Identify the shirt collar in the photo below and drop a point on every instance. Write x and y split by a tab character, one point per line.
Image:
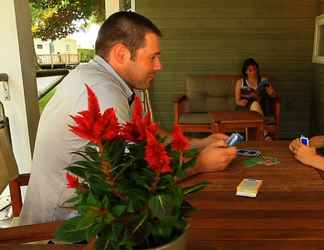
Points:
128	91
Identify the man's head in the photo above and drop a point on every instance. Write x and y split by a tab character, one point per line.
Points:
131	44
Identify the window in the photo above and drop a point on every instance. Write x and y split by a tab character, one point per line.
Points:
67	47
318	50
39	46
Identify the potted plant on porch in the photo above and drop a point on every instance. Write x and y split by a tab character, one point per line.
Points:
126	193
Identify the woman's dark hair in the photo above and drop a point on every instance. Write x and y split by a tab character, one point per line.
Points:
250	62
124	27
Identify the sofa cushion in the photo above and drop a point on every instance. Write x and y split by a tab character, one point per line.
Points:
207	93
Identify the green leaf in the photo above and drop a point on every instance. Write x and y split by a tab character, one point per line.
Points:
93	153
161	233
194	188
94	230
93	201
118	210
189	164
109	218
161	205
191	153
69	231
79	171
140	223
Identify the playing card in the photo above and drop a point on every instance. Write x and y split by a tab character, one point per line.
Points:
252	162
270	161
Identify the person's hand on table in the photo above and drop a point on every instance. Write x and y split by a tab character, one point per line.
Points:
218	138
305	154
317	141
215	157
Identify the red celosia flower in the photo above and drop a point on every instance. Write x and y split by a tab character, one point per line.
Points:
180	143
73	181
156	155
93	126
136	129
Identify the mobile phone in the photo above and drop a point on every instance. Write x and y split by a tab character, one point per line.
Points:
265	82
304	140
234	139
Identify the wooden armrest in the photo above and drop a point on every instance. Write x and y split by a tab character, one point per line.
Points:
178	107
15	193
22	179
29	233
180	99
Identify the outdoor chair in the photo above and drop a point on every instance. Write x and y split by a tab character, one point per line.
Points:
11	237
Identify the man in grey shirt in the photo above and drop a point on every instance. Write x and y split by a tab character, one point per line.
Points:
127	58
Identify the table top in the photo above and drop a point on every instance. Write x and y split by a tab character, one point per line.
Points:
236	116
288	210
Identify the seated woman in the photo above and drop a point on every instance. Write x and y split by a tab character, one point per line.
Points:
253	92
307	154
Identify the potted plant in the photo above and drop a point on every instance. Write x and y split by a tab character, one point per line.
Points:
126	190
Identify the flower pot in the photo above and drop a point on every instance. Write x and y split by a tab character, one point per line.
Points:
178	244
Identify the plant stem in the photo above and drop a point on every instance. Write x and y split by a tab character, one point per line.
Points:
156	182
107	170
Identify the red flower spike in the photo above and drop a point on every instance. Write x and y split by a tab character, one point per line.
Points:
73	181
156	155
93	126
137	110
135	131
93	104
180	143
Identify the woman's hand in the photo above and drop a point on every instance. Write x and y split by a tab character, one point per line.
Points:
317	141
305	154
243	102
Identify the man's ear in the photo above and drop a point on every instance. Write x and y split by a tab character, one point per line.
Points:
120	53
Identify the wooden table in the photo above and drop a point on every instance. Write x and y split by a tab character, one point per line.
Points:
238	121
288	212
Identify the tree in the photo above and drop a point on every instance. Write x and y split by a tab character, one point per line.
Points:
55	19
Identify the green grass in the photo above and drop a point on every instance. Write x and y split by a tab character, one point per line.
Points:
45	100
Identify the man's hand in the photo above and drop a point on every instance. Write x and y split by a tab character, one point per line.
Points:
305	154
213	138
215	157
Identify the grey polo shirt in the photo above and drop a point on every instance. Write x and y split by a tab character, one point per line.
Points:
47	189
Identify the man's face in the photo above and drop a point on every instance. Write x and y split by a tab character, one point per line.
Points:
140	72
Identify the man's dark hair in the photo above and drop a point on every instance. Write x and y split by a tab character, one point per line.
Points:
250	62
124	27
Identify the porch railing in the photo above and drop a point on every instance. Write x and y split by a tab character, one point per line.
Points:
58	59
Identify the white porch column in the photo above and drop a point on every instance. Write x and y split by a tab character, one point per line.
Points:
113	6
16	53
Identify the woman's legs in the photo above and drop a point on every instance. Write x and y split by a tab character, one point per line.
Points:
255	106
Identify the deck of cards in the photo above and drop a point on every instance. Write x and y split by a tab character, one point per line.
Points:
248	188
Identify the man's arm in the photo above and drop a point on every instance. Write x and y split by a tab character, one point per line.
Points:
197	142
